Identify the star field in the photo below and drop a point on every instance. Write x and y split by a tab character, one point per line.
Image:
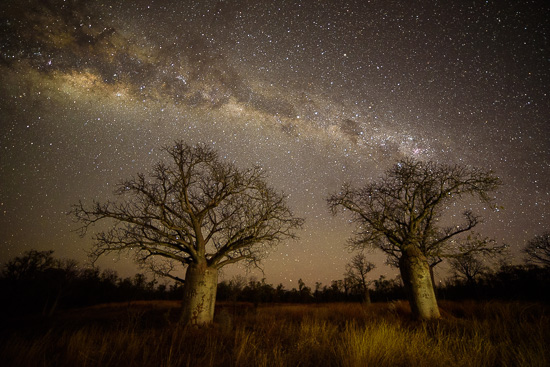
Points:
316	92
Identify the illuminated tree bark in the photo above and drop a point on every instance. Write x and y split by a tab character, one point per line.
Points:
199	294
417	279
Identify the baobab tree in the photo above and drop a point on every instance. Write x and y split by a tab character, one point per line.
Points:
357	271
400	213
199	213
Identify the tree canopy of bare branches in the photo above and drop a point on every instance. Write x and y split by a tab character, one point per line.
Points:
197	208
403	208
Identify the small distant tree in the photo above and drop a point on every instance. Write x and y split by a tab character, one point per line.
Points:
31	265
472	257
469	267
357	270
399	214
538	250
198	212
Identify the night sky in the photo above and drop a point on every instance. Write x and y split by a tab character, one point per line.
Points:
316	92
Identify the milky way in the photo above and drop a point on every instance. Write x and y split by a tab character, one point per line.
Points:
316	92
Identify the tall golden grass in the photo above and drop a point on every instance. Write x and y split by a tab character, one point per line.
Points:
145	334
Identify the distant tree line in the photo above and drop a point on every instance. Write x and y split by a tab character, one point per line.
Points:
509	282
254	291
38	283
474	279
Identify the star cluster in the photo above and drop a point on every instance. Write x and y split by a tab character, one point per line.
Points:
316	92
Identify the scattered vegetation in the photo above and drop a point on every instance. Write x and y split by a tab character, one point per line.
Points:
38	283
332	334
500	318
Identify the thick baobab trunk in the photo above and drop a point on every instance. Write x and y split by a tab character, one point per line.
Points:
417	279
199	295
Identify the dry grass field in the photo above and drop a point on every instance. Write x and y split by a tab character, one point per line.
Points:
347	334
